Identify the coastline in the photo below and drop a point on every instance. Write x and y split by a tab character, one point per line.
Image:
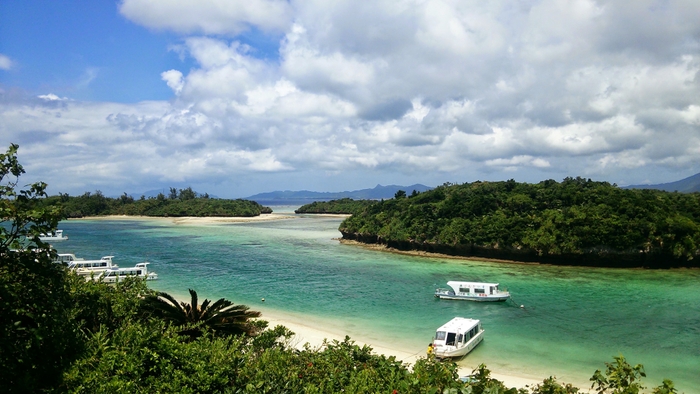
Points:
420	253
314	332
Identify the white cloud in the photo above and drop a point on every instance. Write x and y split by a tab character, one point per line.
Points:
209	16
5	62
445	89
174	80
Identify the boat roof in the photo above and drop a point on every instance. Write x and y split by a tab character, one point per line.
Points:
458	324
453	283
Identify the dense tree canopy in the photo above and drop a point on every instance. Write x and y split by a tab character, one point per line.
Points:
184	202
341	206
576	221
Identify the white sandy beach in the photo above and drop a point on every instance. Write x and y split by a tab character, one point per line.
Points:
210	220
190	220
309	331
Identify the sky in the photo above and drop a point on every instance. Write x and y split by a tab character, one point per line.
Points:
234	98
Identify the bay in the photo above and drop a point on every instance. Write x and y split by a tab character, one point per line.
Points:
573	319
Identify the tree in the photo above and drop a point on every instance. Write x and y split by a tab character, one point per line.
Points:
400	194
222	316
620	377
187	194
38	337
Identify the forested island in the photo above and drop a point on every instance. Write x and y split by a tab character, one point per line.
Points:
178	203
575	222
346	206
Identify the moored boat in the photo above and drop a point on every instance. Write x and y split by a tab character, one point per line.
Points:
118	274
472	291
53	237
457	337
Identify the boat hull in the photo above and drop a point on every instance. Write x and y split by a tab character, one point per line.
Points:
450	295
481	298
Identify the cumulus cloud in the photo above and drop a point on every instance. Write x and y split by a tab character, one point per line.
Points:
441	89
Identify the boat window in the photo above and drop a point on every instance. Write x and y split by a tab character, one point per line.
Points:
440	335
479	291
450	338
460	338
464	290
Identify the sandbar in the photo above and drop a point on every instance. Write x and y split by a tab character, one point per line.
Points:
197	221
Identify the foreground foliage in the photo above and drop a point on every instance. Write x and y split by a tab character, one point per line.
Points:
37	337
576	221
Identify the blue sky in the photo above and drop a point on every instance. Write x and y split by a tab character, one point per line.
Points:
239	97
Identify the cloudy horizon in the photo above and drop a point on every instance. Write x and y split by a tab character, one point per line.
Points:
243	97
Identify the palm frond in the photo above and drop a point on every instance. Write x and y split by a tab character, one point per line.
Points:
222	315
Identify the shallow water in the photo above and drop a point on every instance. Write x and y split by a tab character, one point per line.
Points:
573	321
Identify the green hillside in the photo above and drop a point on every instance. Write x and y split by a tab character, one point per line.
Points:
341	206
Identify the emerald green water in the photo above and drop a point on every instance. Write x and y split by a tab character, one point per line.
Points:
573	321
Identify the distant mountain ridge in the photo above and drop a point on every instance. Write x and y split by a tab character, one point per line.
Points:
377	193
690	184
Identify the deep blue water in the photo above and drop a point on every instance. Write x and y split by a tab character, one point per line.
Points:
573	321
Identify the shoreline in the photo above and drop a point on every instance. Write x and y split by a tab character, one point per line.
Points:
420	253
315	331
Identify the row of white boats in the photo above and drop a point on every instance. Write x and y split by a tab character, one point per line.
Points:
461	335
104	269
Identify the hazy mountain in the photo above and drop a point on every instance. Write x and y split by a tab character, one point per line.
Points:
377	193
687	185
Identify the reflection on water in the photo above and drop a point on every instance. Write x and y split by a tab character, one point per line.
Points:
574	319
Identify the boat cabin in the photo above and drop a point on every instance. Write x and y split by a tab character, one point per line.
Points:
473	288
91	265
457	337
65	258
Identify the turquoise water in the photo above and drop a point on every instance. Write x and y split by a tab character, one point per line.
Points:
573	321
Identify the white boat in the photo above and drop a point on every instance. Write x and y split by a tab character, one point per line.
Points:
118	274
55	236
457	337
472	291
88	267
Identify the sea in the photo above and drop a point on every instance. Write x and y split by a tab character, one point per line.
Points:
562	321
